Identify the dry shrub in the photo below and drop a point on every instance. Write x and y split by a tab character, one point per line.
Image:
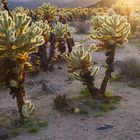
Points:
130	68
82	27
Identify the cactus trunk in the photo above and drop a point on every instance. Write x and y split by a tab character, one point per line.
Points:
52	47
16	90
70	43
43	57
20	100
89	82
110	54
61	46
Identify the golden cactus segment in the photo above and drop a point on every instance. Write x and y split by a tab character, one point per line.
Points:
21	10
79	59
16	35
44	26
60	30
17	40
114	30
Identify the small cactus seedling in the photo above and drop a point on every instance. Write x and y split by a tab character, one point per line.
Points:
80	65
17	41
113	32
27	109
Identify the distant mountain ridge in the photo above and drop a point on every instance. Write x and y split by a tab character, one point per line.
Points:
60	3
109	3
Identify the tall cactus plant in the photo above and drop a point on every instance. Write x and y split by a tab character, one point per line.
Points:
61	32
113	32
47	12
42	49
17	41
80	65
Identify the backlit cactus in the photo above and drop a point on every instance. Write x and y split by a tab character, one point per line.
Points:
61	34
27	109
21	10
60	30
80	65
114	30
44	26
47	12
111	34
17	41
79	59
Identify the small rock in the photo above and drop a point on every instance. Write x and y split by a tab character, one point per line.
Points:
48	88
105	126
4	134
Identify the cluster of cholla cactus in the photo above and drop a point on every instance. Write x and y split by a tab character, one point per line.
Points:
80	14
81	66
113	32
17	41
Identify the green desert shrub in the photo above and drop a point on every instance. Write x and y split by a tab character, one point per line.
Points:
82	27
130	68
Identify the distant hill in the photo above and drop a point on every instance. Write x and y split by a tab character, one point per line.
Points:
104	3
109	3
60	3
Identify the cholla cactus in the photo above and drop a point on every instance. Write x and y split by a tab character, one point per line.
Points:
27	109
113	32
61	30
61	33
80	64
79	59
97	21
17	41
21	10
47	12
44	26
42	49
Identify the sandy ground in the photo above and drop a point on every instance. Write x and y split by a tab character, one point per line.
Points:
63	126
